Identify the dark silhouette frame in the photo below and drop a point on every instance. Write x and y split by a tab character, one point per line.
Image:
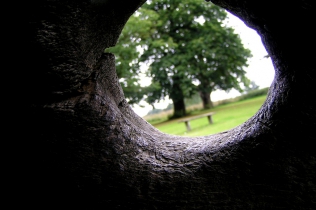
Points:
85	146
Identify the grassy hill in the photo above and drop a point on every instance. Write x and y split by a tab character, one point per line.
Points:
228	114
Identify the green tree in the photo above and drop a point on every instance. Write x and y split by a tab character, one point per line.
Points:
187	56
218	60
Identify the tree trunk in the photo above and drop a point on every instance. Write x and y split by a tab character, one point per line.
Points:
178	108
178	101
206	99
85	147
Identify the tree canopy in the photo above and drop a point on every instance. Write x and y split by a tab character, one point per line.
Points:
188	49
192	50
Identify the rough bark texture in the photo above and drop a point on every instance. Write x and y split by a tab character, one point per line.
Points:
85	146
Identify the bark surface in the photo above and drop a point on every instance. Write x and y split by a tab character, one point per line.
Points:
86	147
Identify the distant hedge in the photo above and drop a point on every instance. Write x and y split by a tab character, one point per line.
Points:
248	95
254	93
196	100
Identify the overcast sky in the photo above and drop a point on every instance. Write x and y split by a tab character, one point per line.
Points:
260	69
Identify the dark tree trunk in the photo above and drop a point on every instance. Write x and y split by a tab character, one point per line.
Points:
178	108
206	99
85	147
177	98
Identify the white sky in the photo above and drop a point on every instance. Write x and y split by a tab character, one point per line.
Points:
260	69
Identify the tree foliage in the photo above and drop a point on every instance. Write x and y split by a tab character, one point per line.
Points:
188	50
191	51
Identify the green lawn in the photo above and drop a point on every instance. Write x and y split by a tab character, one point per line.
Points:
226	117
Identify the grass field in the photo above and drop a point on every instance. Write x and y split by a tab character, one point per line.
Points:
226	117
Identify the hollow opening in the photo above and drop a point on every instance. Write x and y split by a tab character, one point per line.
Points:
92	149
229	103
